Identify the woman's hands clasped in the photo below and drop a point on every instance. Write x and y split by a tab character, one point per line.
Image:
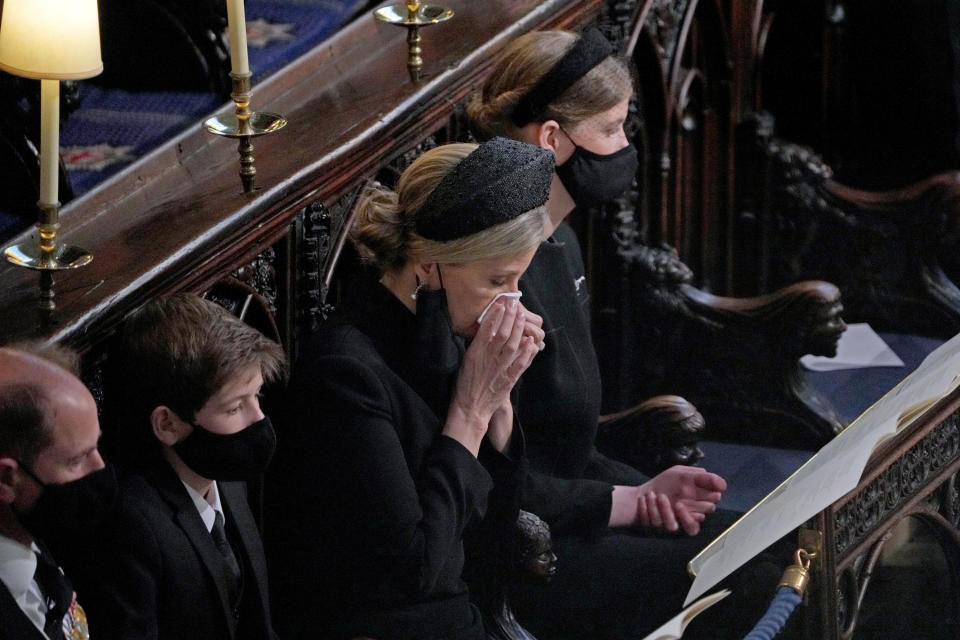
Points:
503	348
679	498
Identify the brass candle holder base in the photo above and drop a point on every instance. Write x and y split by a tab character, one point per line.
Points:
244	125
47	255
413	15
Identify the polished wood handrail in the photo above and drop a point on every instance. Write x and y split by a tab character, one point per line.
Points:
178	219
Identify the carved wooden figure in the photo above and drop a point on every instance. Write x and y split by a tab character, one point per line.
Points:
528	557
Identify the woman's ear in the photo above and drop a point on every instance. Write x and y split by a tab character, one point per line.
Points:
548	136
426	274
167	426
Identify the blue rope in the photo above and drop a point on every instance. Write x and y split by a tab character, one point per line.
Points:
779	611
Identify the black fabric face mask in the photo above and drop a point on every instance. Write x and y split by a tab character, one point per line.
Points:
71	508
439	347
593	179
236	456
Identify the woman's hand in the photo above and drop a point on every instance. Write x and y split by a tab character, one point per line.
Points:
496	357
501	426
533	326
680	497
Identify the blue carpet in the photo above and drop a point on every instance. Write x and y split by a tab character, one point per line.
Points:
112	128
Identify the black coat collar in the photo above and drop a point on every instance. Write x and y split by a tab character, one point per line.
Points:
393	328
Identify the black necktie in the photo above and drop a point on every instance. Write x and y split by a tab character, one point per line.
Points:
57	591
223	545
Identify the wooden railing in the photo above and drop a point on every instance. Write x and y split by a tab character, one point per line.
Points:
179	220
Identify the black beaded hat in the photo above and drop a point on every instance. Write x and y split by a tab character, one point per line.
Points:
588	51
498	181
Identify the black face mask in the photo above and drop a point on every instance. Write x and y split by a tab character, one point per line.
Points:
593	179
71	508
440	348
235	456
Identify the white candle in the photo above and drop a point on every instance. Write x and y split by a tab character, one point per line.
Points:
49	140
237	28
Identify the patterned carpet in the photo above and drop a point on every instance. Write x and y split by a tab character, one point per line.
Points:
113	128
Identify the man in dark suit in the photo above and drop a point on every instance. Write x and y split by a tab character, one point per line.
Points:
182	557
48	457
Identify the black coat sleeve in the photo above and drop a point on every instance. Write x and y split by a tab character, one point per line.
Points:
413	523
606	469
569	506
120	580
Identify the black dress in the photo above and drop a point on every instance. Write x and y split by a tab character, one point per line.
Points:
611	583
368	503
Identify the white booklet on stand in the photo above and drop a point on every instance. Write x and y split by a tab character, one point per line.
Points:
830	474
673	628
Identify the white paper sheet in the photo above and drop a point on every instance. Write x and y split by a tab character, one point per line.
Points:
830	474
859	346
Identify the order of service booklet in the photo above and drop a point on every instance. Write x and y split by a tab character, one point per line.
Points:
830	473
673	628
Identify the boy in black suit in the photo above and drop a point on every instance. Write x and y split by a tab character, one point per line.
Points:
182	557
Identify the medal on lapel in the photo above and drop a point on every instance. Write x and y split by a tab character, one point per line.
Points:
75	622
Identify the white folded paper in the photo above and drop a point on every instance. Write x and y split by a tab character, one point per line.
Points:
858	347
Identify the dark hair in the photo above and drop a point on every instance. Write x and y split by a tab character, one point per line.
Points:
177	351
24	427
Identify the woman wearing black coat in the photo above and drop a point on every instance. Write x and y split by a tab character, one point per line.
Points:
622	540
399	436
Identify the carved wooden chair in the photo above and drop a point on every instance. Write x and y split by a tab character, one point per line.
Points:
658	327
736	359
882	248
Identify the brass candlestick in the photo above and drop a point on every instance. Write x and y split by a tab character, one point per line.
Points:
47	255
244	125
413	15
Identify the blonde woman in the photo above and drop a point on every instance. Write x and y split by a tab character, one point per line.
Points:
399	436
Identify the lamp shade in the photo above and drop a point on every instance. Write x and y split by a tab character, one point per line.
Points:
54	39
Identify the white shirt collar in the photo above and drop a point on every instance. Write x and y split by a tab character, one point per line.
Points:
205	508
18	564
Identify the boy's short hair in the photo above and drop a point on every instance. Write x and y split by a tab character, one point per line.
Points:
178	351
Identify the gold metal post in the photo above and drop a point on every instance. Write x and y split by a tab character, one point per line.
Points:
414	53
47	255
413	15
244	125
